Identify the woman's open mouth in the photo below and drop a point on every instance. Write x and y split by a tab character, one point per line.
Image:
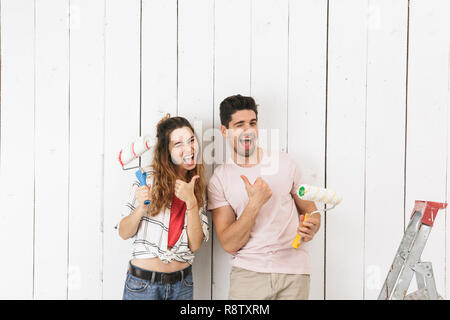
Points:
189	160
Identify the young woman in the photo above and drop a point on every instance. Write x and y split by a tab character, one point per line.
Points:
172	227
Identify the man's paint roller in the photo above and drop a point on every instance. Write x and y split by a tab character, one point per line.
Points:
311	193
134	151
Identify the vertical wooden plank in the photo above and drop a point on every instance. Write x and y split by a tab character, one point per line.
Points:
232	63
385	139
122	79
307	110
347	60
17	148
427	120
52	149
195	99
159	65
269	68
86	148
447	219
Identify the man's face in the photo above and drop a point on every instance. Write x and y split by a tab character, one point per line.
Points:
242	132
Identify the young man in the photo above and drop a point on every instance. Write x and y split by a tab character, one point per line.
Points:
256	213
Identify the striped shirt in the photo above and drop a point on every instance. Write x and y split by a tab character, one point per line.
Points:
150	240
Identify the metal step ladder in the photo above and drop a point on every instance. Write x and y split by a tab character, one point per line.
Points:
407	259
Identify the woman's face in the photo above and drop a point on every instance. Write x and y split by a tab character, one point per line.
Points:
183	148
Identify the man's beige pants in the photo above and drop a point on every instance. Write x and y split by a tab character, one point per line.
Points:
250	285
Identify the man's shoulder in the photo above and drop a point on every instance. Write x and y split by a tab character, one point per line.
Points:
287	160
219	171
284	156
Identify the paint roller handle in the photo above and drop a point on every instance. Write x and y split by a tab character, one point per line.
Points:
298	238
142	177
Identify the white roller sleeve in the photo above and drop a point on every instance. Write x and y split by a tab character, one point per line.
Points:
327	196
134	150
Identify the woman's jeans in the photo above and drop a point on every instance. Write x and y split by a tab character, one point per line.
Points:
140	289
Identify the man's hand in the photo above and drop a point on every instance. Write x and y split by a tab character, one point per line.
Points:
308	229
259	192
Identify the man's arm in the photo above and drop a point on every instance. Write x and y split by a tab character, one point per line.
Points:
234	233
304	206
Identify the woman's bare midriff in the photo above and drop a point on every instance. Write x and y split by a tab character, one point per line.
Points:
155	264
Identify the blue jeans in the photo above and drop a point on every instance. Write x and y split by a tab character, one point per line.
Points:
140	289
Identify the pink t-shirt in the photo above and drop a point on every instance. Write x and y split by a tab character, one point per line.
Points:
269	246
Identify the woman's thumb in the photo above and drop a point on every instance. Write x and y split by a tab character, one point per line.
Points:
194	178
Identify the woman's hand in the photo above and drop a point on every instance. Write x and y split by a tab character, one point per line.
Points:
185	191
142	194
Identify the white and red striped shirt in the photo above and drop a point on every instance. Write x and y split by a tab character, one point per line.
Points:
150	240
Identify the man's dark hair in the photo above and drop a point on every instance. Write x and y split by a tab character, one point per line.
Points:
233	104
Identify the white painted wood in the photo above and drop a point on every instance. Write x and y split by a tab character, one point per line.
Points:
159	65
72	98
232	43
52	149
385	139
86	148
447	211
426	166
195	99
269	66
307	110
347	62
17	149
122	74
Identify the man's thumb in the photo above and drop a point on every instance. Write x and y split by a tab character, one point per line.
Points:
194	178
245	179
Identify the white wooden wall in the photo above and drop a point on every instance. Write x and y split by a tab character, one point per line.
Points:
358	89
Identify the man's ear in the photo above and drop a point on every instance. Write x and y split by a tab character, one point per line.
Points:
223	130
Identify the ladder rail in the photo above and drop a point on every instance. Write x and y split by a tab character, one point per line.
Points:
407	261
400	257
405	277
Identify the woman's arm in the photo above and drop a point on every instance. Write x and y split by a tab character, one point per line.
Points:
185	192
194	226
129	225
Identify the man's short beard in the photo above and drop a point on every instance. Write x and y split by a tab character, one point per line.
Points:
245	153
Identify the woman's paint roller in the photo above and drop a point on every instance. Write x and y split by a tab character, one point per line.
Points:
311	193
134	151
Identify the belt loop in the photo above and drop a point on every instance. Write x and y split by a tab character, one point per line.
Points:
182	275
153	278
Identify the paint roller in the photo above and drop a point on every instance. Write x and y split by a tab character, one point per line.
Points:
134	151
321	195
